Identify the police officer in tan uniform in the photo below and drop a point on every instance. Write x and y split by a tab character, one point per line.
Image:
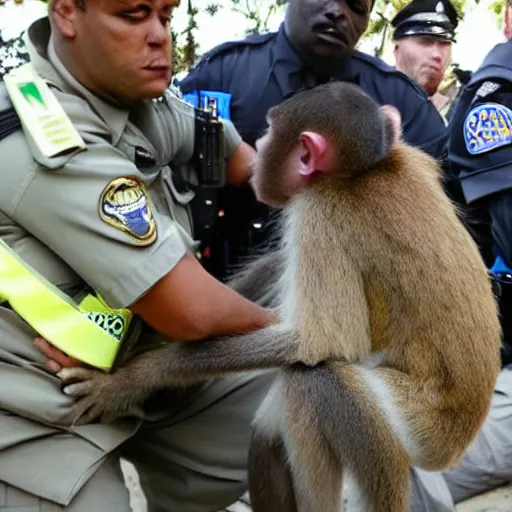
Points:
112	217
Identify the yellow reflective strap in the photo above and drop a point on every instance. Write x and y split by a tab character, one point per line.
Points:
52	314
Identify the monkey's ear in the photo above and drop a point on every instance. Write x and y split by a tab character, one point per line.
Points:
393	122
316	154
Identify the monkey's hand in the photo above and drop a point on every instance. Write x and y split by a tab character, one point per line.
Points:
98	395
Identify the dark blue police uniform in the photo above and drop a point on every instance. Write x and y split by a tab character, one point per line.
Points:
260	72
480	150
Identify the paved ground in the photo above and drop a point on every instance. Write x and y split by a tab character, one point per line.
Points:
499	500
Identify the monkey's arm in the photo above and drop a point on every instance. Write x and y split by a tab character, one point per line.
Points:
107	396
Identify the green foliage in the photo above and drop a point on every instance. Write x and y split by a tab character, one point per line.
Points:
178	61
498	7
190	48
460	7
256	12
12	54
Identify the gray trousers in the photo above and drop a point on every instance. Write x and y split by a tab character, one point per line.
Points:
190	460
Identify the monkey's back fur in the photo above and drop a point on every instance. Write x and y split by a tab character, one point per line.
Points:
385	284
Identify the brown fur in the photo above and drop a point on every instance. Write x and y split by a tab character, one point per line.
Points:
394	255
382	265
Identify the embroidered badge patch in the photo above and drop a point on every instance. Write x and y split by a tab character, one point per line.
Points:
124	205
487	126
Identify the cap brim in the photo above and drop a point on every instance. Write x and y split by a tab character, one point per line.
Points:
429	30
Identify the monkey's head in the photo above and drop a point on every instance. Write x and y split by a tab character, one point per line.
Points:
333	128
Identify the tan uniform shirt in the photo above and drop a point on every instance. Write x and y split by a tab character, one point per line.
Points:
94	219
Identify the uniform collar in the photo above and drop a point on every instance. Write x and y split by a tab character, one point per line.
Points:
286	64
292	74
45	61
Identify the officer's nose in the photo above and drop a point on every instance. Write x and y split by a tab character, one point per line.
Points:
159	33
334	10
437	53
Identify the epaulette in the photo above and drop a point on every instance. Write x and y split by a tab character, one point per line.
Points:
9	120
386	69
255	40
45	123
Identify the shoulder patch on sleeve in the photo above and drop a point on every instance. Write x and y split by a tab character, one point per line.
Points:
487	126
124	205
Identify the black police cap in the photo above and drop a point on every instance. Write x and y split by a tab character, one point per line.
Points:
436	18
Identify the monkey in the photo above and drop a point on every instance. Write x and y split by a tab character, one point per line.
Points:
387	347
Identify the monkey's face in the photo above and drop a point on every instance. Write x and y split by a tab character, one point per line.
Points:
286	164
308	138
275	178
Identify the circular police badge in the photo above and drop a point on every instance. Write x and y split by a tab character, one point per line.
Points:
124	204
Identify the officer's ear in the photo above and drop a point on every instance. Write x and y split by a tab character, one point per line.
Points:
395	48
392	123
508	20
64	16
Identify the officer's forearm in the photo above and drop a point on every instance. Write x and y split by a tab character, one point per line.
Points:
189	304
239	165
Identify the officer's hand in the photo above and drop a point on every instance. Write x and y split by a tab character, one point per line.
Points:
239	165
273	316
56	359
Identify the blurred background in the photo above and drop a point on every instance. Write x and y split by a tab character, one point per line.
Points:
199	25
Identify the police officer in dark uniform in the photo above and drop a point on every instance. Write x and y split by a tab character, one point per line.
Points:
480	151
315	44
